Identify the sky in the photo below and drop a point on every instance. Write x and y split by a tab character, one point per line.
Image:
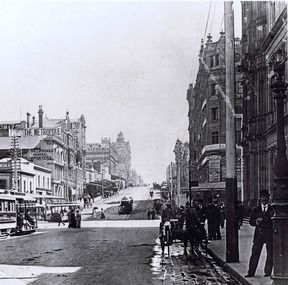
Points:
125	65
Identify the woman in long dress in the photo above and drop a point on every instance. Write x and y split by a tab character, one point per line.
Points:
78	219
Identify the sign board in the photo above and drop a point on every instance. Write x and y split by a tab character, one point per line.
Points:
5	165
40	154
214	170
43	132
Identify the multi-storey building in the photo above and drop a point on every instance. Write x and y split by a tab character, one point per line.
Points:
136	180
32	179
207	121
181	185
264	29
52	144
171	177
103	154
124	157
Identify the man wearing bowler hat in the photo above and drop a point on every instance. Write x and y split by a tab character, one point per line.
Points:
261	219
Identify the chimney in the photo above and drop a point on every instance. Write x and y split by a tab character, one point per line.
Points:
28	120
33	121
40	112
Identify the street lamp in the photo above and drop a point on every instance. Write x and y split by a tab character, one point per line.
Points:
280	189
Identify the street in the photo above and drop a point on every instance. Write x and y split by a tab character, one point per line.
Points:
106	251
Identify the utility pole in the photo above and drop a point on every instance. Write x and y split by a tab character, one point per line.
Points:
178	157
232	251
102	182
171	183
15	162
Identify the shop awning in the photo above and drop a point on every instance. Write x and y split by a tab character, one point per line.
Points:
24	197
37	196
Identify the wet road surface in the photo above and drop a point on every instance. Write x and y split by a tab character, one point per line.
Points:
177	268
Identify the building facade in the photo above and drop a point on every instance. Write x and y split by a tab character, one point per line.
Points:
32	178
264	28
52	144
124	157
207	122
103	154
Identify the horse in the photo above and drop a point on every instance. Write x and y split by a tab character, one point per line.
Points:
189	224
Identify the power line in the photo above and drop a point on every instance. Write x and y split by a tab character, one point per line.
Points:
207	19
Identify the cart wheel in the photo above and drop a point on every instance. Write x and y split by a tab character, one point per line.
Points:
167	234
162	242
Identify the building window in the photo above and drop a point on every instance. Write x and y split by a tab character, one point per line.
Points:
213	89
38	181
3	184
48	183
43	182
31	190
238	110
211	61
215	137
214	114
239	88
217	60
24	186
195	155
238	137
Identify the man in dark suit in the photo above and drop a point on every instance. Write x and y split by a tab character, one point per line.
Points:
214	219
261	219
202	214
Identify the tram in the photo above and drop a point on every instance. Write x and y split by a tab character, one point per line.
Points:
126	205
16	215
8	217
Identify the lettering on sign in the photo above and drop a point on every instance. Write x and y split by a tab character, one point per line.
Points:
43	154
5	164
214	170
43	132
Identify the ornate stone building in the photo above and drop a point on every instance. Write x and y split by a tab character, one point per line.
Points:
103	154
264	29
124	157
207	122
52	144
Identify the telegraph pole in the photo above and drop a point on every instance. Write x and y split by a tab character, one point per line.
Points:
15	162
171	181
232	251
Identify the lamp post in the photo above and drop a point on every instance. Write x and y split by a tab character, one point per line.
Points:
280	189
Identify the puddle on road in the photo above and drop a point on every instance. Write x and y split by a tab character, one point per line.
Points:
191	269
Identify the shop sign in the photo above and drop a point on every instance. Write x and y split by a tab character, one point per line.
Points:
43	154
6	165
43	132
214	170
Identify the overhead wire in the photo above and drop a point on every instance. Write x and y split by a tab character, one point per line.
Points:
194	69
196	46
207	19
195	64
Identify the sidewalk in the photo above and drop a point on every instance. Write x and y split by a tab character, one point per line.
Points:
217	248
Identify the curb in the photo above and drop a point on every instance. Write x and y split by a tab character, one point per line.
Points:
228	268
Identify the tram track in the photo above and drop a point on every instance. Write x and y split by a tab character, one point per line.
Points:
194	268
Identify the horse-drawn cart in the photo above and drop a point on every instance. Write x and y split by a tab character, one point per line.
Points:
182	231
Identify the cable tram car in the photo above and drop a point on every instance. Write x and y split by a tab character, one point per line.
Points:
25	209
126	205
16	216
7	214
